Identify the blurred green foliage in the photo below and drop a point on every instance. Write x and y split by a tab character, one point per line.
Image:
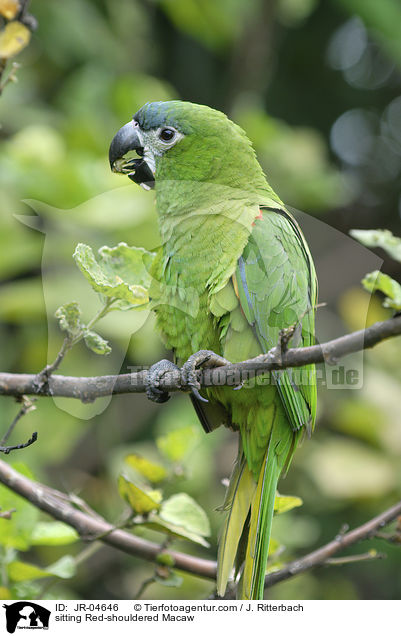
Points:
317	86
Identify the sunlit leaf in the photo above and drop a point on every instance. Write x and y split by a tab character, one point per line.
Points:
182	510
9	8
176	444
380	238
13	38
152	471
181	516
142	502
376	281
118	273
283	503
19	571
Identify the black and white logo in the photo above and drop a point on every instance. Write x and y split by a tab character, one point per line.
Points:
26	615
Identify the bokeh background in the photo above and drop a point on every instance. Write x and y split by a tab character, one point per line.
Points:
317	86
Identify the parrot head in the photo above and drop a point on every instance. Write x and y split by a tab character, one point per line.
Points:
178	140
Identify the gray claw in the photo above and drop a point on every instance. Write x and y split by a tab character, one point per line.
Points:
155	374
197	360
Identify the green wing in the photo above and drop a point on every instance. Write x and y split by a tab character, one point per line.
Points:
276	284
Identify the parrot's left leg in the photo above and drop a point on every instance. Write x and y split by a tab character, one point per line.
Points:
205	359
155	374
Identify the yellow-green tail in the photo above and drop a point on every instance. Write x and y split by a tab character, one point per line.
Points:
246	532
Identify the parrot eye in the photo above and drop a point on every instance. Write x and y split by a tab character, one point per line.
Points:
167	134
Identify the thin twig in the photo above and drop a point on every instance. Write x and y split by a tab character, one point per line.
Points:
372	555
8	449
27	407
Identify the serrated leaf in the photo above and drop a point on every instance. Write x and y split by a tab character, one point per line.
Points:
69	318
284	503
13	38
9	8
380	238
172	579
152	471
142	502
118	273
96	343
376	281
176	444
53	533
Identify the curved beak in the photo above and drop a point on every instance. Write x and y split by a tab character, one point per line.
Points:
124	141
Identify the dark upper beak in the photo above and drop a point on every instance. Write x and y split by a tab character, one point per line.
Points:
124	140
127	139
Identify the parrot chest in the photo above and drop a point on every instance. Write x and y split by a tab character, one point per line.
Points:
196	261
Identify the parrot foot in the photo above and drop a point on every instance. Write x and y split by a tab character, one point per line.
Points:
155	374
204	358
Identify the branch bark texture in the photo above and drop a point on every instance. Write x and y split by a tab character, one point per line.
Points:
93	527
89	388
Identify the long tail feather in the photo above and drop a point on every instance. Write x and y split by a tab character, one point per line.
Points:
250	514
237	501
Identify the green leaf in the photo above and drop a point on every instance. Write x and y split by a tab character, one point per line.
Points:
13	38
69	318
153	472
17	531
183	513
53	533
181	516
274	546
119	273
283	503
64	568
155	522
19	571
176	444
376	281
96	343
142	502
380	238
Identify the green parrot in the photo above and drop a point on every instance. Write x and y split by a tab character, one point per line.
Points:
232	272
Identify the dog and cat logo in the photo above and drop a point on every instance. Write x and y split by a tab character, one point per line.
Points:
26	615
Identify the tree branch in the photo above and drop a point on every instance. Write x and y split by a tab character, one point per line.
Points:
90	526
88	389
323	555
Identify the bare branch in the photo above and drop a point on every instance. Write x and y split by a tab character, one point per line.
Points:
88	389
323	555
58	506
